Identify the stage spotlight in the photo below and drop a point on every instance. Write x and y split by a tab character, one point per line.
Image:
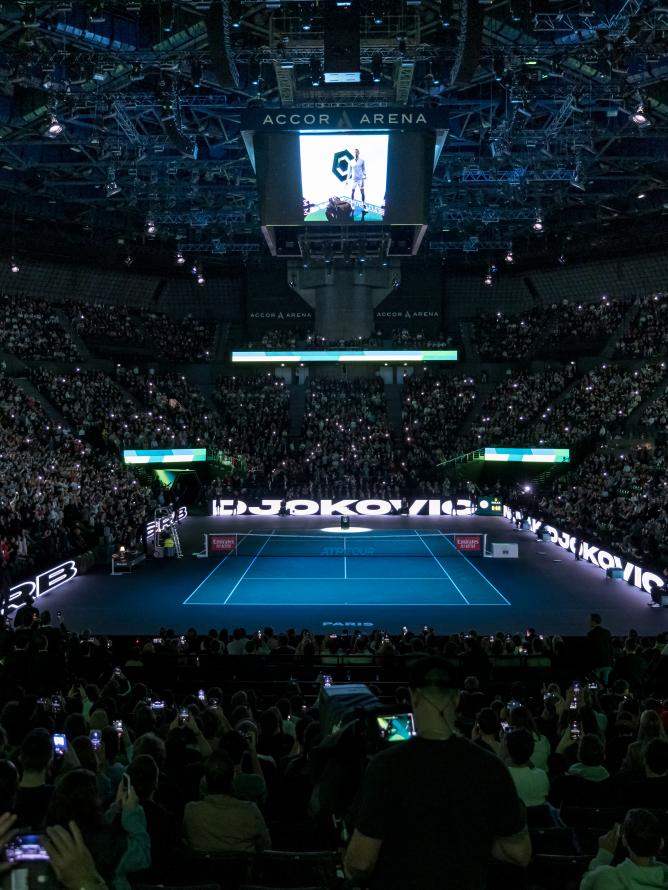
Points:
97	15
488	280
112	188
201	279
640	118
509	258
538	223
128	261
151	228
377	12
446	13
578	181
561	259
196	73
377	67
55	128
14	266
180	259
306	19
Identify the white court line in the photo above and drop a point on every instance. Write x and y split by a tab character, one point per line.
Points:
450	579
212	572
249	566
495	589
378	605
345	559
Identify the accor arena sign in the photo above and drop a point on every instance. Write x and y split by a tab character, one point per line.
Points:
603	559
350	118
370	507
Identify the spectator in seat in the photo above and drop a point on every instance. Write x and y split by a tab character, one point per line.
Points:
630	665
248	782
471	699
118	840
650	727
35	789
532	784
486	731
640	835
586	784
435	805
9	785
221	822
520	718
161	825
651	791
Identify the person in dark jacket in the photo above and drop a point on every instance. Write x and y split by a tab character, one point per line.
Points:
600	649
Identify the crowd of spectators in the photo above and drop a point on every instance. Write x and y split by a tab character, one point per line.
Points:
304	339
596	405
58	494
655	416
583	327
500	337
434	407
110	744
513	406
31	329
648	332
617	496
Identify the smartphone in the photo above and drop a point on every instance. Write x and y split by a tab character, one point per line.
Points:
118	726
396	727
592	686
404	630
59	743
326	680
117	672
95	736
25	848
505	726
157	705
575	732
55	702
201	695
184	714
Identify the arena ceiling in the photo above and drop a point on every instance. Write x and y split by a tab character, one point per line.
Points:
114	115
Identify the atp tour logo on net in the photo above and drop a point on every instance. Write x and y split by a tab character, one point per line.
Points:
300	507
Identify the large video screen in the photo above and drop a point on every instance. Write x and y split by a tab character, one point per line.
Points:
343	176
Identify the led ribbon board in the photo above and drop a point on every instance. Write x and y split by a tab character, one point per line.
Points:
351	355
164	455
528	455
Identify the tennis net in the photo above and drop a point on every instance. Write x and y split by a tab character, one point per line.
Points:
363	545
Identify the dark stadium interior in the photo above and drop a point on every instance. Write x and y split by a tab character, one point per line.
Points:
333	445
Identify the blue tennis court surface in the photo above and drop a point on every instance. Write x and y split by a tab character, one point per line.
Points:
371	568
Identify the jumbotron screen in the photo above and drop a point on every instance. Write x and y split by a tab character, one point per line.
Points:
344	177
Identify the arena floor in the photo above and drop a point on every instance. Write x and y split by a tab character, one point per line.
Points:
394	586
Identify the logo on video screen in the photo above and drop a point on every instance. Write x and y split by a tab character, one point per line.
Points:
341	163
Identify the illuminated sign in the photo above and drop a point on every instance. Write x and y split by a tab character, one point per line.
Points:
528	455
343	118
222	543
469	543
603	559
489	505
301	507
164	455
42	583
167	522
343	355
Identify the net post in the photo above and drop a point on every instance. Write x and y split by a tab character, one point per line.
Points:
202	554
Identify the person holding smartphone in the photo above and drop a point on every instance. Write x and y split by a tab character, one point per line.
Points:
434	809
35	788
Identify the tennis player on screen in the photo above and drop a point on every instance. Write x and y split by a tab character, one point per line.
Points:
357	174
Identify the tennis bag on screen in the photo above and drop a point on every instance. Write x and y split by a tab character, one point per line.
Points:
338	210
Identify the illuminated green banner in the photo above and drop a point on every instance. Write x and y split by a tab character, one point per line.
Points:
163	455
346	355
528	455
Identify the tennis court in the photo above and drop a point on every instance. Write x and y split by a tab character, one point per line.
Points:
319	568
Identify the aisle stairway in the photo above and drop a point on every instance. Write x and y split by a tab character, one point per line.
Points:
622	328
83	350
30	390
296	411
393	393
